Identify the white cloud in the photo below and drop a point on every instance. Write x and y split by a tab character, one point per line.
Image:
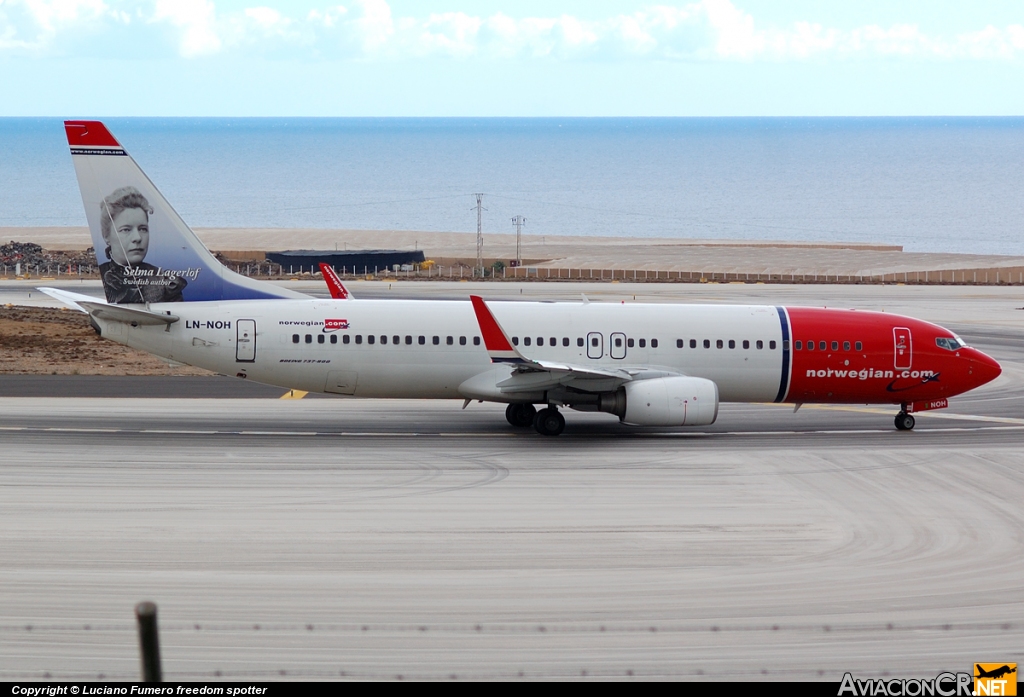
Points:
33	25
704	30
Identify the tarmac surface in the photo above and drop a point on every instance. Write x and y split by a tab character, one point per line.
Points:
340	538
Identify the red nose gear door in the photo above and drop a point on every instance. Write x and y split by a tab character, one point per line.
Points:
902	347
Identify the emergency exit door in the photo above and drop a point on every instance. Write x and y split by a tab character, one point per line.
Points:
245	341
902	348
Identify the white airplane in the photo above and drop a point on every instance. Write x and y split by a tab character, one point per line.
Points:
649	365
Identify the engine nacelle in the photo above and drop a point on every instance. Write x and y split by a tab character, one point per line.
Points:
671	401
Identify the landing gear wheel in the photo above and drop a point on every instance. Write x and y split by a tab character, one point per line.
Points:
520	415
549	422
904	421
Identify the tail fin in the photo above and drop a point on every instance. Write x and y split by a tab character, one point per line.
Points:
145	251
334	284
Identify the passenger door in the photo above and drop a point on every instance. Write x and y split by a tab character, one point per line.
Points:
595	345
902	348
617	345
245	341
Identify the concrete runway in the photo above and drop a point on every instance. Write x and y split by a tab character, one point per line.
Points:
338	538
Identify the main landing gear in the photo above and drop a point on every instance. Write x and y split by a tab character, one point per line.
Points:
547	421
520	415
904	421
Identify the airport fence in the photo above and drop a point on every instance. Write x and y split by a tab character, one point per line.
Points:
981	277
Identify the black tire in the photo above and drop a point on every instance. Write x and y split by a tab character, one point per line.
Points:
520	415
905	422
549	422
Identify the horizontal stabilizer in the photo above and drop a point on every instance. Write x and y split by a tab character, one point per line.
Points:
70	299
128	315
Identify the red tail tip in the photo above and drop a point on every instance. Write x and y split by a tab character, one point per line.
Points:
89	134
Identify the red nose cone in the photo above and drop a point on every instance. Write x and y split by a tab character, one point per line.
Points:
985	368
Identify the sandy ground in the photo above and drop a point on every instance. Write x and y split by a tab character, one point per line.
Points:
45	341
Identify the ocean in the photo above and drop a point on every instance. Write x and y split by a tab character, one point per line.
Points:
930	184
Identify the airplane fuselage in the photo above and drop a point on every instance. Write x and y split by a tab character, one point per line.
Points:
432	349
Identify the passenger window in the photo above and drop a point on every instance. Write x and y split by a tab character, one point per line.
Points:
320	338
785	344
732	343
759	344
579	341
859	346
565	341
746	344
594	342
422	340
540	341
436	340
295	338
654	343
515	341
462	341
526	340
720	343
846	345
450	341
693	343
799	346
383	339
771	345
618	342
679	343
346	339
810	345
552	341
309	338
476	341
396	340
408	340
370	338
359	338
835	345
643	343
707	343
629	343
334	338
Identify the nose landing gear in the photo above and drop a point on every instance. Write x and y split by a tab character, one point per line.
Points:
904	421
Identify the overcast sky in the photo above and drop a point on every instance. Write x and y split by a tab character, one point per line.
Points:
500	58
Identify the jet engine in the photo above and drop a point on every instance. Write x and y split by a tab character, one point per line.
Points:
670	401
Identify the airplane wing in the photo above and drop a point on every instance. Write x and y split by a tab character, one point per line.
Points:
334	284
531	374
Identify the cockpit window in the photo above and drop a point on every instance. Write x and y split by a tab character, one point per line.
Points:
950	344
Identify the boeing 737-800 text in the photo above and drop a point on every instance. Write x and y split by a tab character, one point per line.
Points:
648	364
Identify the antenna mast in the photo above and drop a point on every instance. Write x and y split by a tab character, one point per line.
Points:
519	221
480	233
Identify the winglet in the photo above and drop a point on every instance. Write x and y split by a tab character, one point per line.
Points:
499	348
334	284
